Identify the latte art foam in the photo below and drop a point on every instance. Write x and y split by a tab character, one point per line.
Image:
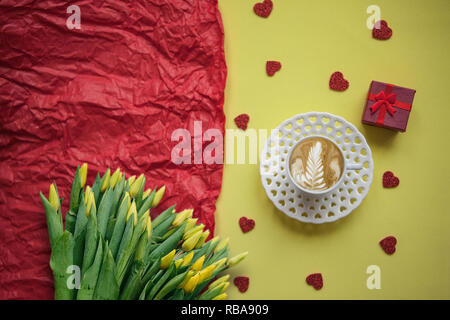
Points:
316	164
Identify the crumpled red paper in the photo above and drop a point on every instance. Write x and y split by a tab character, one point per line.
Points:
110	94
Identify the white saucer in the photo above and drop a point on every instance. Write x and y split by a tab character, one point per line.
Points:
287	197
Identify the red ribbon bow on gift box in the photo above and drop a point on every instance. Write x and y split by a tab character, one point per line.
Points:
385	101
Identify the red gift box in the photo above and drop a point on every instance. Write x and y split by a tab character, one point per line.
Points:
388	106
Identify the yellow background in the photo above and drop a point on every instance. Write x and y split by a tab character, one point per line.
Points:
313	39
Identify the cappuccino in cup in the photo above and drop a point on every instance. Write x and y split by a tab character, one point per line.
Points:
316	164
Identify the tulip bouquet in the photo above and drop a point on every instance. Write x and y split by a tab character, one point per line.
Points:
109	248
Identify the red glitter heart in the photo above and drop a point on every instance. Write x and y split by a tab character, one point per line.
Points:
381	31
315	280
389	180
242	283
272	67
263	9
388	244
242	121
337	82
246	224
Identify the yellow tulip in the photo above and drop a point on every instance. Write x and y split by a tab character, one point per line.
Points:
149	226
235	260
187	259
167	259
136	186
181	216
206	273
127	199
189	275
83	174
202	239
190	243
198	264
158	196
135	218
193	231
131	210
117	175
131	180
87	194
105	178
178	263
191	284
190	223
90	203
219	281
214	240
143	220
53	197
220	263
146	193
221	296
225	286
222	244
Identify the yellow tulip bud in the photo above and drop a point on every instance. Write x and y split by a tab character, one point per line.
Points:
206	273
136	186
214	240
87	194
131	210
53	197
149	226
187	259
178	263
158	196
220	263
198	264
221	296
193	231
146	193
219	281
131	180
135	218
106	179
225	286
189	275
190	223
222	244
181	216
191	284
127	199
144	218
90	203
202	239
190	243
236	259
167	259
83	174
115	178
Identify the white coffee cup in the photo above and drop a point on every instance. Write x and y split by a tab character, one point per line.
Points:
347	166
